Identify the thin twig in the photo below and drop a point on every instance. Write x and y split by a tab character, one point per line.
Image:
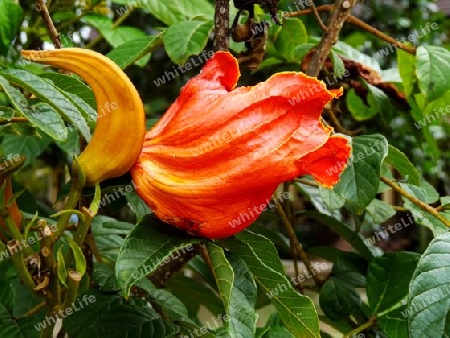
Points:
52	32
317	17
361	328
416	201
298	247
221	24
14	120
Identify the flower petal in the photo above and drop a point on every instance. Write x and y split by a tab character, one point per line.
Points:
328	162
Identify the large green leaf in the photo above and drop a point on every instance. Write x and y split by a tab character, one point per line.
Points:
292	34
406	67
238	292
338	298
429	301
104	277
433	67
186	38
359	182
296	311
109	234
150	244
12	327
72	84
359	110
115	36
223	273
388	279
28	146
41	115
394	323
111	316
198	294
380	211
52	95
11	15
174	11
402	164
171	305
131	51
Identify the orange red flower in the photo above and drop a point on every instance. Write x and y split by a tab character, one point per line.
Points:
220	152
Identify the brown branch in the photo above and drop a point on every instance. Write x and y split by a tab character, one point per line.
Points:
221	22
14	120
416	201
52	32
357	22
341	11
297	245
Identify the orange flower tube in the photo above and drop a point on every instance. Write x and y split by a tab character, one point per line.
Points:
13	211
213	161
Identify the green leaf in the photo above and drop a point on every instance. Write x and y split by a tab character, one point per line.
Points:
433	67
296	311
314	195
73	85
237	289
429	301
112	316
359	110
80	261
199	294
436	110
388	278
223	273
359	182
6	113
380	211
407	68
50	94
62	272
338	298
28	146
292	34
338	64
146	247
394	323
170	304
131	51
331	198
242	312
172	12
104	277
351	53
11	15
138	205
40	115
381	103
402	164
353	238
11	326
186	38
109	234
115	36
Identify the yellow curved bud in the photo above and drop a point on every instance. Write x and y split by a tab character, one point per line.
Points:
119	134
